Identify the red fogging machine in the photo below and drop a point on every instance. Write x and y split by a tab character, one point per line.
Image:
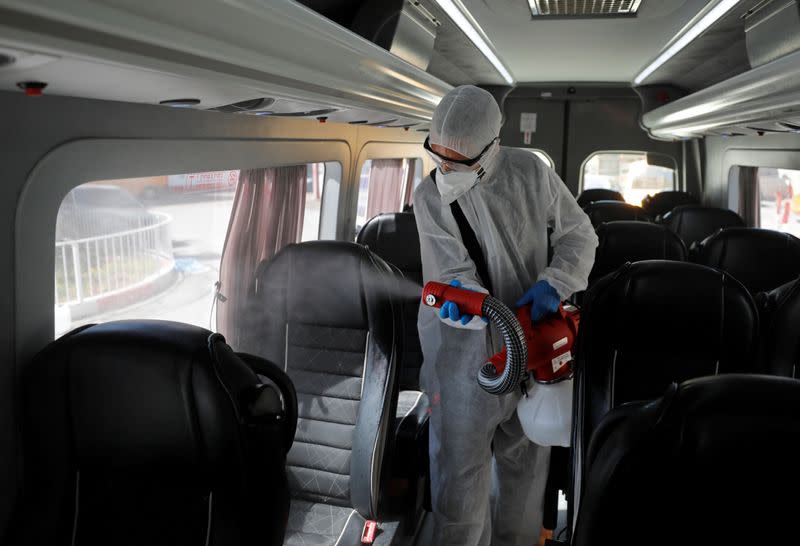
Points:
542	350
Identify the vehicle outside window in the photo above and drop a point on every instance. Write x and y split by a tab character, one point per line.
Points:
779	196
386	185
151	247
634	174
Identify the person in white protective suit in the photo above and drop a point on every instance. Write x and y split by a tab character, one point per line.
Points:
488	478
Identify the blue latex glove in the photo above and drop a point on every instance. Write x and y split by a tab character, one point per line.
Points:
450	310
545	300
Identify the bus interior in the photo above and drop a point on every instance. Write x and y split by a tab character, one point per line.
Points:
212	275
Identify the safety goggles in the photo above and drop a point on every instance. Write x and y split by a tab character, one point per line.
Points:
456	164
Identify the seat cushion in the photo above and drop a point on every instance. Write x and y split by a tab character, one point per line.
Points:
317	524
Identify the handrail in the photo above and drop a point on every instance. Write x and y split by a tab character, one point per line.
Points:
95	267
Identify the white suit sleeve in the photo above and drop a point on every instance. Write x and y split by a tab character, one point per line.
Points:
444	256
573	239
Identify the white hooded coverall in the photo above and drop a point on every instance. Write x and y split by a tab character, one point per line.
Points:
477	447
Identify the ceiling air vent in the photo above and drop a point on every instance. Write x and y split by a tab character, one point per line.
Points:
584	8
245	105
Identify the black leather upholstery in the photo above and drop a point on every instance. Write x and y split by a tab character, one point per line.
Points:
663	202
696	222
779	343
652	323
394	238
600	212
761	259
325	312
713	461
621	242
598	194
147	432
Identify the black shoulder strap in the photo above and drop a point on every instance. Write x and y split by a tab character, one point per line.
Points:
470	241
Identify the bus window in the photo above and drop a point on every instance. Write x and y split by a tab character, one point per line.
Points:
779	196
629	173
386	185
152	247
541	154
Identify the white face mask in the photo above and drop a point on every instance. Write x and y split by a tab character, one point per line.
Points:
454	184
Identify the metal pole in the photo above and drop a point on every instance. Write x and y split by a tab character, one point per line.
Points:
76	267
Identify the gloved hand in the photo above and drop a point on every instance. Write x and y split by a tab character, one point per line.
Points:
544	298
450	310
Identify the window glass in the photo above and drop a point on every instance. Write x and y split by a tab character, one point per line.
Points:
386	185
779	196
151	247
541	154
633	174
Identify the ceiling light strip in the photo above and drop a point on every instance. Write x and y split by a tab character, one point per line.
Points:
689	34
459	15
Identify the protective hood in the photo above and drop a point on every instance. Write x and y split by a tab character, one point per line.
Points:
466	120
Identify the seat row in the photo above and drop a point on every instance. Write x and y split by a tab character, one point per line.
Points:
153	432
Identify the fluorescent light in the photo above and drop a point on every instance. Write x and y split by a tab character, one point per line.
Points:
472	31
715	14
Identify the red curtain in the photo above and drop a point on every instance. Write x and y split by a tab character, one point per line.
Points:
267	215
385	186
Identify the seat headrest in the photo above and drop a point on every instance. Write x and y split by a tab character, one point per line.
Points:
696	222
663	202
598	194
761	259
621	242
650	460
600	212
325	283
394	237
132	394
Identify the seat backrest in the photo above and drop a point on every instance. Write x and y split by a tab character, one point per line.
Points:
394	237
137	432
697	466
622	242
761	259
696	222
324	311
663	202
652	323
600	212
598	194
779	343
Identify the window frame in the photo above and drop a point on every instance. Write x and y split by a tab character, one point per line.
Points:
676	179
535	151
66	167
378	150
